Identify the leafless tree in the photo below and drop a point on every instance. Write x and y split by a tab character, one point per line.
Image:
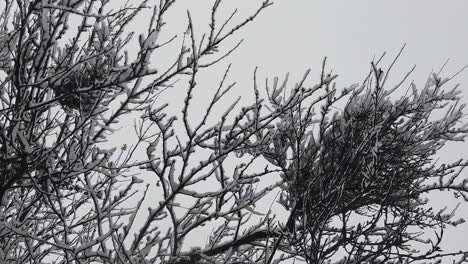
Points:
357	178
353	181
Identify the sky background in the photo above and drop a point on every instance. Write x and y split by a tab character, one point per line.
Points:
295	35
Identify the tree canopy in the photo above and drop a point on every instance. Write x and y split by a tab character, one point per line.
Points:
355	167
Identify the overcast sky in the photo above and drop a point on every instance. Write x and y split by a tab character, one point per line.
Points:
295	34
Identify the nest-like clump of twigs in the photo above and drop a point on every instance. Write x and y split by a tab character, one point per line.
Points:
362	160
81	88
374	153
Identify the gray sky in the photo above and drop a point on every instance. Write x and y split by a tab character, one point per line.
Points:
295	34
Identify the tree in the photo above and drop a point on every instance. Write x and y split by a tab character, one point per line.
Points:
353	181
358	179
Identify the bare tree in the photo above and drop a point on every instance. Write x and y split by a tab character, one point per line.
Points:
353	181
358	177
